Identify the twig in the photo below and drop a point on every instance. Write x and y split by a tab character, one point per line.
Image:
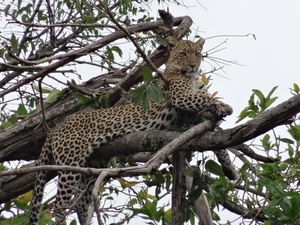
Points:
245	149
42	105
22	68
100	180
18	58
72	84
159	73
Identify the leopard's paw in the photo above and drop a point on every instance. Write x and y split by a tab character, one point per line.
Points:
222	109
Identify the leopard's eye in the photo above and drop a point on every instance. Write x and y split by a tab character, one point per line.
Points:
182	54
198	54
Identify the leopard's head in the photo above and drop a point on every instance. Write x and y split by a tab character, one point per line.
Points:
185	56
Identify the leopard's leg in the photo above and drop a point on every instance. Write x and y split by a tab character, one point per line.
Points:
38	197
68	183
87	184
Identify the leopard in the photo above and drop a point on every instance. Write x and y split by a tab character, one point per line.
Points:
73	141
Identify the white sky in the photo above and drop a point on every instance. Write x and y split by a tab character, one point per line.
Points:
272	59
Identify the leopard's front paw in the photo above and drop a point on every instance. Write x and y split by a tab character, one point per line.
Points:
222	109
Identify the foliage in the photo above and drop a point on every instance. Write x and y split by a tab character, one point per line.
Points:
256	107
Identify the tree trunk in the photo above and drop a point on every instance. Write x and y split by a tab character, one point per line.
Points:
178	188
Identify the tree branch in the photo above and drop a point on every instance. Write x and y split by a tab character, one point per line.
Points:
152	141
65	58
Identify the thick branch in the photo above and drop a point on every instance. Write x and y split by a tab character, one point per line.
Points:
26	144
152	165
213	140
152	141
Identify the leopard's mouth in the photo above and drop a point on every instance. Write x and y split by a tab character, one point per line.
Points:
183	71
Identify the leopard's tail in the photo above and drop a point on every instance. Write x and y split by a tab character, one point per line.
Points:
226	164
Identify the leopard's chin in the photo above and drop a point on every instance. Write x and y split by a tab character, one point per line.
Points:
185	71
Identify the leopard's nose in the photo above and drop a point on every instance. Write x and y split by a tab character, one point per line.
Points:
192	66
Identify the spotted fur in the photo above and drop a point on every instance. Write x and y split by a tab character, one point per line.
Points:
74	140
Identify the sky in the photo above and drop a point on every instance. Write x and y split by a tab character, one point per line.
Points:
271	59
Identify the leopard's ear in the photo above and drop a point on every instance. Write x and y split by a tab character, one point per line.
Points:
172	42
201	42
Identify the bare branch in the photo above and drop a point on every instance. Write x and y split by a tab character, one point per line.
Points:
72	84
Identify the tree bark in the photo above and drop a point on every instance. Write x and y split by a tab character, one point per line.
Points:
178	188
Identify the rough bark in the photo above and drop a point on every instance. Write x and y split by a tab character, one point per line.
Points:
178	188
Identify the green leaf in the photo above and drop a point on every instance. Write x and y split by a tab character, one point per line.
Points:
192	171
168	182
81	97
25	18
22	110
45	90
260	95
6	10
290	151
145	102
259	188
140	93
293	194
271	92
154	92
192	218
147	74
109	53
295	132
195	194
266	142
73	222
53	96
286	140
14	43
270	102
6	125
244	114
13	119
214	168
7	205
117	50
296	88
17	220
